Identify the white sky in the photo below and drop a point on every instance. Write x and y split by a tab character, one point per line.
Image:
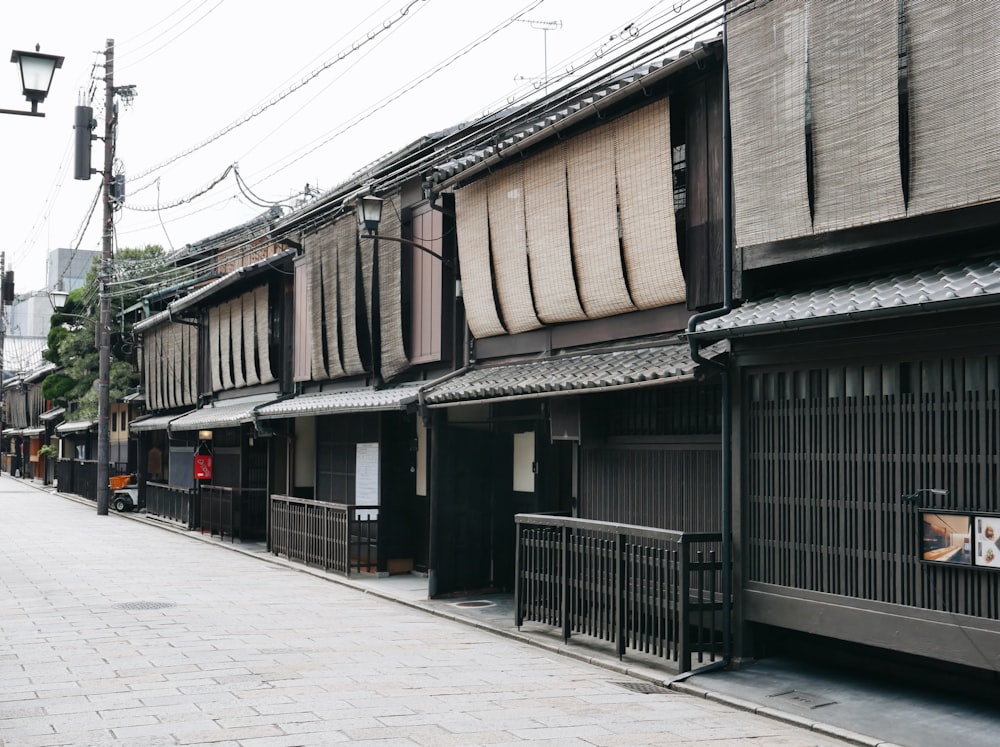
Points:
200	65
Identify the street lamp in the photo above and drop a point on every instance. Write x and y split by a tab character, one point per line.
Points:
369	212
37	70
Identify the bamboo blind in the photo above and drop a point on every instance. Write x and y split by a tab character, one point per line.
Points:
226	344
302	333
955	102
643	171
331	304
154	361
251	339
511	273
191	361
345	237
767	64
237	324
853	80
830	451
593	215
314	254
262	343
145	358
169	366
174	366
472	226
214	354
547	236
390	279
367	258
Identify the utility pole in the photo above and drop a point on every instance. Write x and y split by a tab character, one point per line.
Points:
3	330
104	278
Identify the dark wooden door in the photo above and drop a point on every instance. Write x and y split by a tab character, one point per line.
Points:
464	514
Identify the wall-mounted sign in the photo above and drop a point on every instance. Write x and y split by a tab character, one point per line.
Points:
960	539
986	541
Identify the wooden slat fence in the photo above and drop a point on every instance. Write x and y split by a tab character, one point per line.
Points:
172	502
240	514
78	477
651	591
829	453
332	536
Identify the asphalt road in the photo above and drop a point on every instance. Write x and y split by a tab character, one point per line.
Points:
116	632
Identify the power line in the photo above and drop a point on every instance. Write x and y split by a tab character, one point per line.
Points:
360	44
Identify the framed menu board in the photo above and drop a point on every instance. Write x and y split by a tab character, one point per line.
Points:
945	538
986	541
959	539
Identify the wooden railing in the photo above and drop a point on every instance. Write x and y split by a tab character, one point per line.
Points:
172	502
651	591
332	536
233	512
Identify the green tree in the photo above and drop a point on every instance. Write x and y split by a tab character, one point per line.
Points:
72	338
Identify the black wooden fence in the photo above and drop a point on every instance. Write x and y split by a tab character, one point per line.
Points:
652	591
331	536
78	477
173	503
238	514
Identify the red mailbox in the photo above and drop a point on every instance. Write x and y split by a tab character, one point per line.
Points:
202	466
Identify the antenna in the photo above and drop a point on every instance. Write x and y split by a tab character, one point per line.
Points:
545	27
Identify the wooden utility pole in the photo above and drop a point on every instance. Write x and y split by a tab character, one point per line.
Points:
104	279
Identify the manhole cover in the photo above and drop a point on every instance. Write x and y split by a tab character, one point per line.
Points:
644	688
475	603
803	699
145	605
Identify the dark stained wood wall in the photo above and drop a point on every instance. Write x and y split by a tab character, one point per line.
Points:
830	450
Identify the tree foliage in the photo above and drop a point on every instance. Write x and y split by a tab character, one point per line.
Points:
72	338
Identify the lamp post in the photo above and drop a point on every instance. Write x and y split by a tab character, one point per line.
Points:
37	70
369	213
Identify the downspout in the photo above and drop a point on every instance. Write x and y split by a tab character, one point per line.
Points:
697	357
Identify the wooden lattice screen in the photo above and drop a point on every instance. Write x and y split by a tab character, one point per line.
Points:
829	453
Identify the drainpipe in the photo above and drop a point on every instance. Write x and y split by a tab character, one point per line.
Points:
697	357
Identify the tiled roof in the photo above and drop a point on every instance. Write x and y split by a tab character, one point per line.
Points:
153	422
926	291
75	426
224	414
582	372
52	414
325	403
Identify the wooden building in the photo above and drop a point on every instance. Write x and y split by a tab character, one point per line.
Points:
864	352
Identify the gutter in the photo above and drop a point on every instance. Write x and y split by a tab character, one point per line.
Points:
723	368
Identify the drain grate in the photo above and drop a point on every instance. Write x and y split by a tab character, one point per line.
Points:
803	699
475	603
644	688
143	605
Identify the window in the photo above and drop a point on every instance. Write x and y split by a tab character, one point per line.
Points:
427	228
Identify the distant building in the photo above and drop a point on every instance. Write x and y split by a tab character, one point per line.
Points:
30	314
68	268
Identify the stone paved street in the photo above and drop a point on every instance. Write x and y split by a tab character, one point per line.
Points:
116	632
